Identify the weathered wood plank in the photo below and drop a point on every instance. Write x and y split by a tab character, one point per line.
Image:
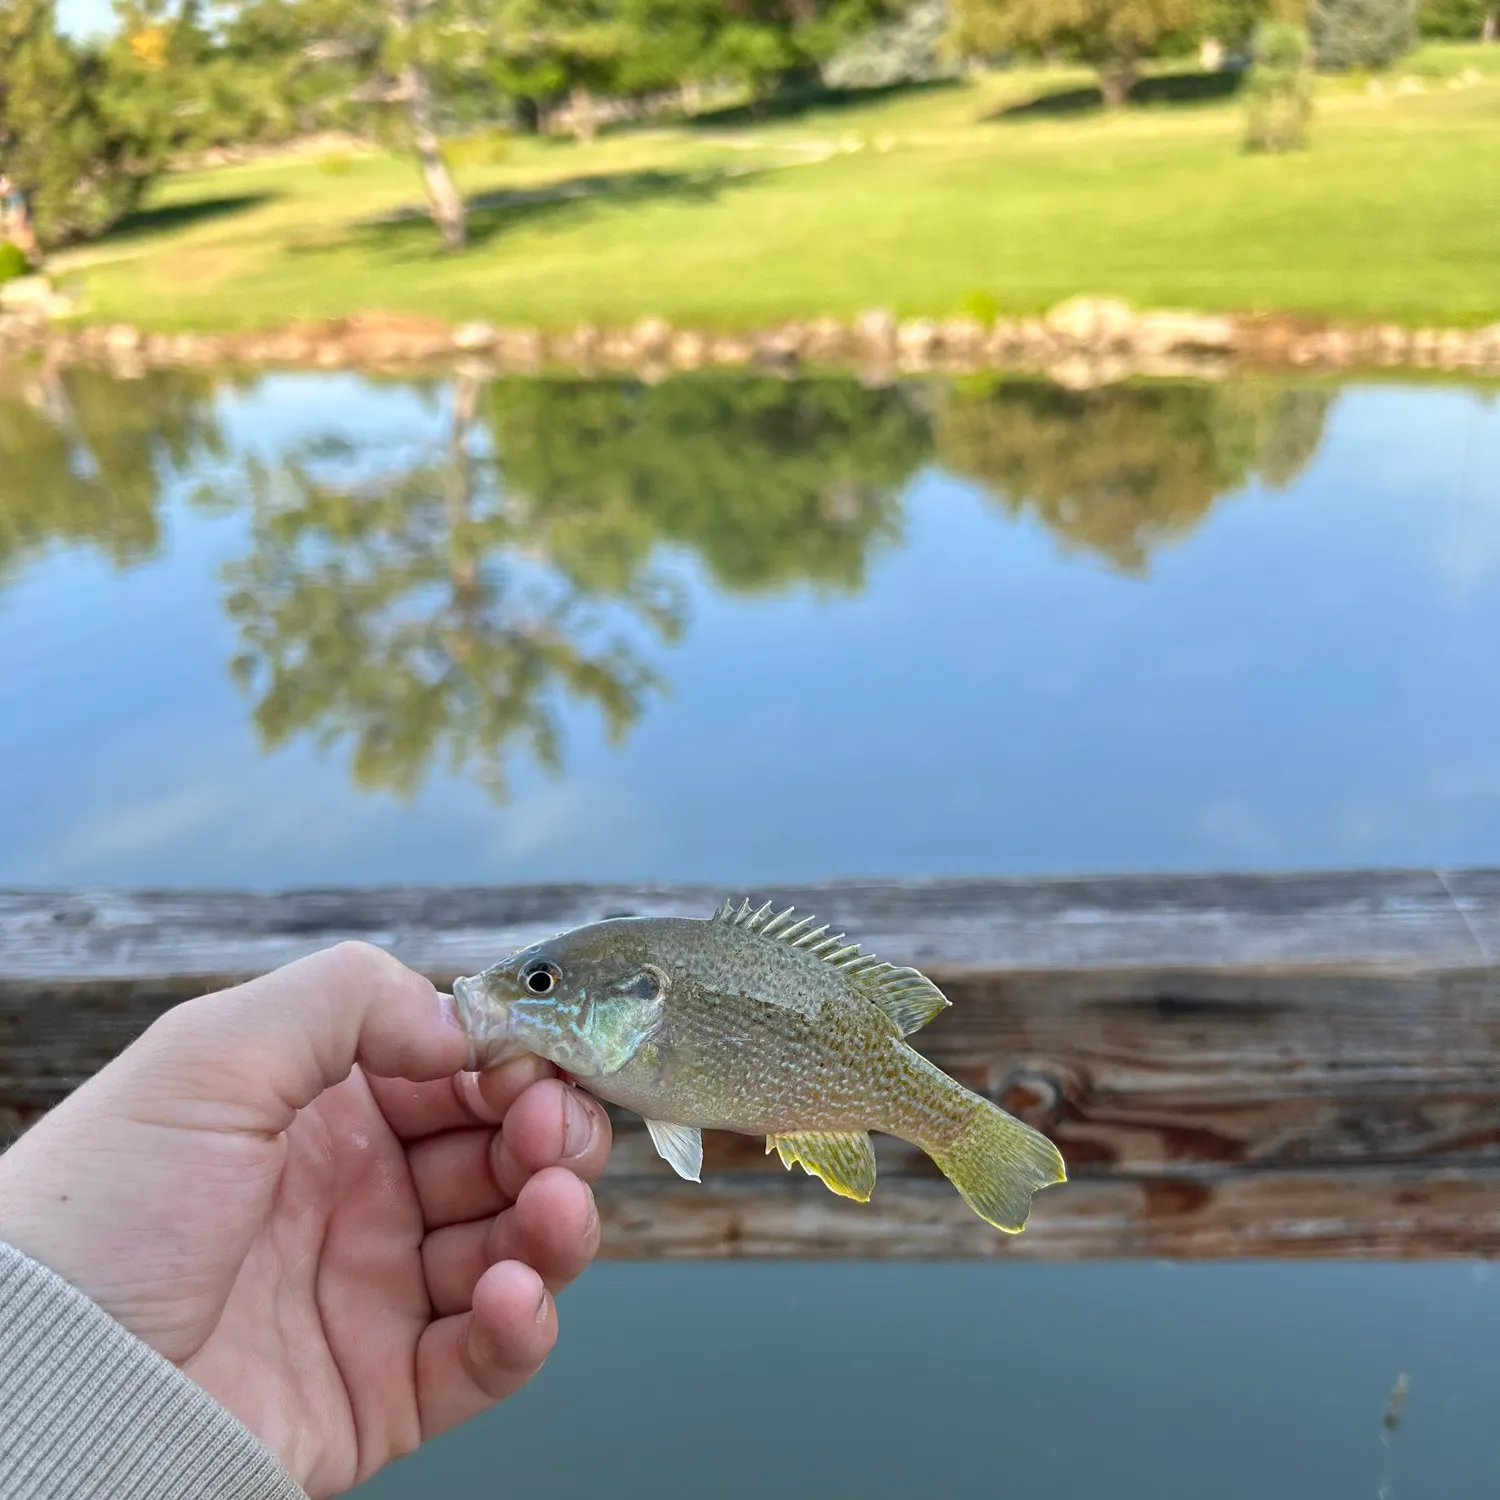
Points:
1239	1065
1350	1215
1420	918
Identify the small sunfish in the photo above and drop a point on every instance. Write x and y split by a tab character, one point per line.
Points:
761	1024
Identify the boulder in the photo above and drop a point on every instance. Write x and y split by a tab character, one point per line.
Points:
34	295
1092	322
651	338
731	350
916	341
473	337
875	334
1168	331
689	349
962	339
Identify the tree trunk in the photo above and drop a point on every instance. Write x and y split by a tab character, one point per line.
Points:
458	498
1491	26
1116	81
581	108
443	199
692	96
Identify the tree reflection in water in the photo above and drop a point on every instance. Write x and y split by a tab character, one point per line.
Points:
442	608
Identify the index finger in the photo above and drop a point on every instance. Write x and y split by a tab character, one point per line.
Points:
414	1110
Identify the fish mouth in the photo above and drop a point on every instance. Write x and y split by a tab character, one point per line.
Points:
486	1021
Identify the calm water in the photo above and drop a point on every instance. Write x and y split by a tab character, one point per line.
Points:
325	629
1127	1381
309	629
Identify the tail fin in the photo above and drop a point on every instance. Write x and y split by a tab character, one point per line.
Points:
997	1163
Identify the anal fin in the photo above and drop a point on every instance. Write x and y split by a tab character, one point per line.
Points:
680	1146
845	1160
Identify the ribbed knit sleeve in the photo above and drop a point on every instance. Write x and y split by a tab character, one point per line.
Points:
88	1411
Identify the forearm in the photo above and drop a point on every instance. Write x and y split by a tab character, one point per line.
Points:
87	1410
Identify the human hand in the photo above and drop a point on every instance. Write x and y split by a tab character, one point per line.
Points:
293	1191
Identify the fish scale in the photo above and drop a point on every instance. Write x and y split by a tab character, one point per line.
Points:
763	1023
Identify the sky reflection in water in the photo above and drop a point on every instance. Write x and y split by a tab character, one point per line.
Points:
937	630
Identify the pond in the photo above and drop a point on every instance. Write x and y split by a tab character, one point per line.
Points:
300	629
290	629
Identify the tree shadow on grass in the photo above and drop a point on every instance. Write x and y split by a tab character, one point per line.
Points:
168	216
794	101
1170	89
408	232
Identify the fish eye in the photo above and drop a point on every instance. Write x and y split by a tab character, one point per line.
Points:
541	978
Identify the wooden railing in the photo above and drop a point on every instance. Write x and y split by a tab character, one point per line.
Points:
1302	1065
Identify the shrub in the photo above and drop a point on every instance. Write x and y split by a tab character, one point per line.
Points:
1350	34
1278	98
13	262
979	305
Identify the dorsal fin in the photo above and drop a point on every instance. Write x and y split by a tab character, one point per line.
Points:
906	995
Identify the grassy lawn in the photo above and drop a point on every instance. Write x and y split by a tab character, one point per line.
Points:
1007	187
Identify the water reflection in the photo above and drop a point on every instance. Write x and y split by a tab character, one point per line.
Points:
86	457
439	607
1120	471
768	482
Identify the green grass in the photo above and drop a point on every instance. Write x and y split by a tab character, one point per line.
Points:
917	202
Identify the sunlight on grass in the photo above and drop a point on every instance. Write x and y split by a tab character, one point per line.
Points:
914	201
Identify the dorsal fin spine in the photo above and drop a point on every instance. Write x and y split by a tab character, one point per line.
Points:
906	995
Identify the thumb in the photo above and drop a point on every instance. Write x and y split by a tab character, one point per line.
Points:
255	1054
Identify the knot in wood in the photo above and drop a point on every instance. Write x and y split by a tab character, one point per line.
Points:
1033	1093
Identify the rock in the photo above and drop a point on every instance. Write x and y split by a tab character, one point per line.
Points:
616	349
1391	343
652	338
689	350
1092	322
827	339
473	337
121	339
1083	372
1423	347
875	334
1003	340
34	295
1452	348
1337	347
916	342
520	349
1167	331
731	350
1035	338
962	339
783	344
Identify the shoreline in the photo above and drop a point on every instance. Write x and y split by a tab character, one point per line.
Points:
1082	343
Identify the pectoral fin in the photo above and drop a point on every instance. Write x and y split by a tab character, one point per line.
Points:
680	1146
844	1160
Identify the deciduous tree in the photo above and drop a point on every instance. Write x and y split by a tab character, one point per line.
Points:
1112	36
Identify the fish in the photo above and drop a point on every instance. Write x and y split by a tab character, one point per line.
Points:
753	1022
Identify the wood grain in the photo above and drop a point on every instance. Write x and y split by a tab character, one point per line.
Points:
1239	1065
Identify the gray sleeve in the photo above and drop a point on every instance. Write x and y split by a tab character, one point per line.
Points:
89	1412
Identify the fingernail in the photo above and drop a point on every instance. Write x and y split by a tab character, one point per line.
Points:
543	1303
592	1227
578	1134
